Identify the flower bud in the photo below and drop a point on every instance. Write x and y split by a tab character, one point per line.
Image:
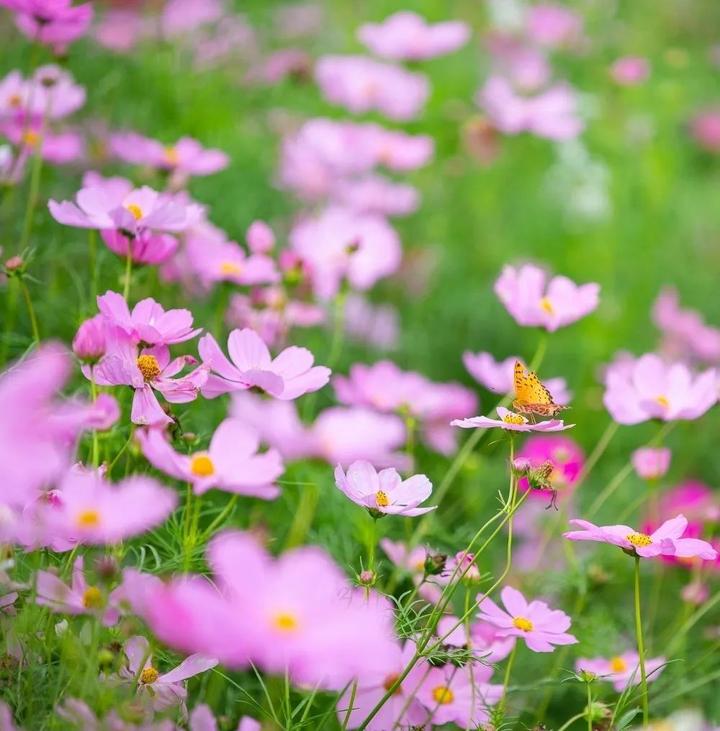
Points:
651	463
260	237
521	466
89	341
695	593
14	264
367	578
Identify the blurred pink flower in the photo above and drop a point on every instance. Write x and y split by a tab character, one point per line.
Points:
539	626
696	592
55	23
550	114
651	463
50	93
630	70
532	300
459	695
163	690
483	639
120	29
665	541
511	421
376	325
384	493
185	16
260	237
202	719
705	129
497	376
376	194
697	501
412	561
362	84
288	376
231	463
57	147
553	25
621	670
564	455
407	36
522	64
651	389
343	245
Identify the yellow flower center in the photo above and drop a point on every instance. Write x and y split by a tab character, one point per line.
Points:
149	676
88	519
92	598
230	267
618	665
511	418
381	499
135	211
31	138
201	465
14	100
149	367
443	695
639	540
547	306
663	401
285	622
171	156
523	624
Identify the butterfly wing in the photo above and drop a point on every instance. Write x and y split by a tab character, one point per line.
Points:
531	396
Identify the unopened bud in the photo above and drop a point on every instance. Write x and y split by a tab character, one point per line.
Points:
14	264
367	578
435	563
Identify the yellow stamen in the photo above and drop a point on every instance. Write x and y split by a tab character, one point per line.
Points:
149	367
663	401
285	622
171	156
523	624
442	695
201	465
92	598
14	101
230	268
135	211
149	676
30	138
88	519
639	540
547	305
381	499
511	418
618	665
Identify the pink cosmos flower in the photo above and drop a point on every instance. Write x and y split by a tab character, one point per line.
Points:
57	147
148	322
497	376
563	454
401	709
376	325
120	29
524	65
648	388
92	511
376	194
705	129
186	157
361	84
459	695
147	369
621	670
412	561
50	93
539	626
385	492
288	376
551	114
630	70
89	341
80	716
511	421
697	501
483	639
407	36
231	462
167	689
343	245
55	23
651	463
665	541
184	16
260	237
553	25
533	301
202	719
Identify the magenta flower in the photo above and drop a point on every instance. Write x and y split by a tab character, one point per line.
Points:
231	462
510	421
651	463
497	376
705	129
366	322
621	670
459	695
361	84
648	388
630	70
163	690
564	457
384	493
534	301
148	370
667	540
92	511
539	626
287	376
148	322
696	500
55	23
407	36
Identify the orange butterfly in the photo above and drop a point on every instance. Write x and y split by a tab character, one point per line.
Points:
531	397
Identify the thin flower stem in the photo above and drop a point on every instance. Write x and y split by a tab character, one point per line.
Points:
128	273
231	503
351	703
95	442
598	451
30	309
34	191
571	721
506	679
372	540
92	266
589	707
640	643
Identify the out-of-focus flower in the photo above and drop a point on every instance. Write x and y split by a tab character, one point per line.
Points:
369	323
184	16
523	64
651	389
621	670
55	23
630	70
511	421
554	26
163	690
665	541
57	147
361	84
651	463
260	238
231	462
563	458
120	29
705	129
89	341
384	493
697	501
202	719
407	36
539	626
551	114
696	592
288	376
532	300
376	194
50	93
415	562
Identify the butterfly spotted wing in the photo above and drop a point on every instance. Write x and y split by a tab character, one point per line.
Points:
531	397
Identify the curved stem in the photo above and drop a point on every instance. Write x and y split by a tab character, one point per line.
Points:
30	309
640	643
571	721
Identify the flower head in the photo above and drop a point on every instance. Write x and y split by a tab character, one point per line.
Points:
621	670
651	463
630	70
55	23
560	455
510	421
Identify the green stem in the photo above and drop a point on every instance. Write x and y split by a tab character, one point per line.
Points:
232	502
95	442
589	707
640	643
599	450
506	679
10	312
34	191
92	265
30	309
571	721
304	515
372	540
128	273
